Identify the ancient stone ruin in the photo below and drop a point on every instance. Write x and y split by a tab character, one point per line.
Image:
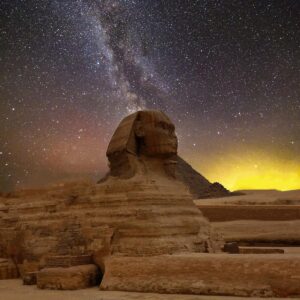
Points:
128	151
138	228
139	209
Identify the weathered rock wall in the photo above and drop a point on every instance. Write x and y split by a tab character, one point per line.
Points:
224	213
255	232
217	274
8	269
72	278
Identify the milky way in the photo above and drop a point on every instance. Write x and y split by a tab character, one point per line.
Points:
226	72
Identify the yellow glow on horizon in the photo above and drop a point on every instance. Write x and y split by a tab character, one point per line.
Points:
255	171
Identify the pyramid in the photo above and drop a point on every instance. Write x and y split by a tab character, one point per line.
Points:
198	185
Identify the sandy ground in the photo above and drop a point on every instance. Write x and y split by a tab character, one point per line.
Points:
259	197
14	290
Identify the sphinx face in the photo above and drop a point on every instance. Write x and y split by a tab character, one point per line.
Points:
155	135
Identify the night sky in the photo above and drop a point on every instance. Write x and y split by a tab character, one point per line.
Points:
226	72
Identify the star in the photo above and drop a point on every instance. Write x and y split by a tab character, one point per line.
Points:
226	73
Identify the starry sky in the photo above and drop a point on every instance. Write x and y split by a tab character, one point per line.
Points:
226	72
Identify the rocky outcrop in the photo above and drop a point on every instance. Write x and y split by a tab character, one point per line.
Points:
68	261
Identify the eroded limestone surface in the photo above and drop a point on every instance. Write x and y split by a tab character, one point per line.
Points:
70	278
247	275
8	269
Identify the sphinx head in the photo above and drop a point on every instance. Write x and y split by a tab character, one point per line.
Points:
140	135
155	134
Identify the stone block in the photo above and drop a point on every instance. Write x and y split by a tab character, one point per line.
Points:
247	275
72	278
8	269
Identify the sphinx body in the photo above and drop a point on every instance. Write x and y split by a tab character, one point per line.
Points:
139	209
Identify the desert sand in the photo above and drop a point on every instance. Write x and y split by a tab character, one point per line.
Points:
14	290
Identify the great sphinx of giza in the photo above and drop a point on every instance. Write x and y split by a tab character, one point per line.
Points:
139	209
141	137
138	225
142	158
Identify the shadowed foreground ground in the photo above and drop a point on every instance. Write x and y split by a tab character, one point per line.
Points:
14	290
